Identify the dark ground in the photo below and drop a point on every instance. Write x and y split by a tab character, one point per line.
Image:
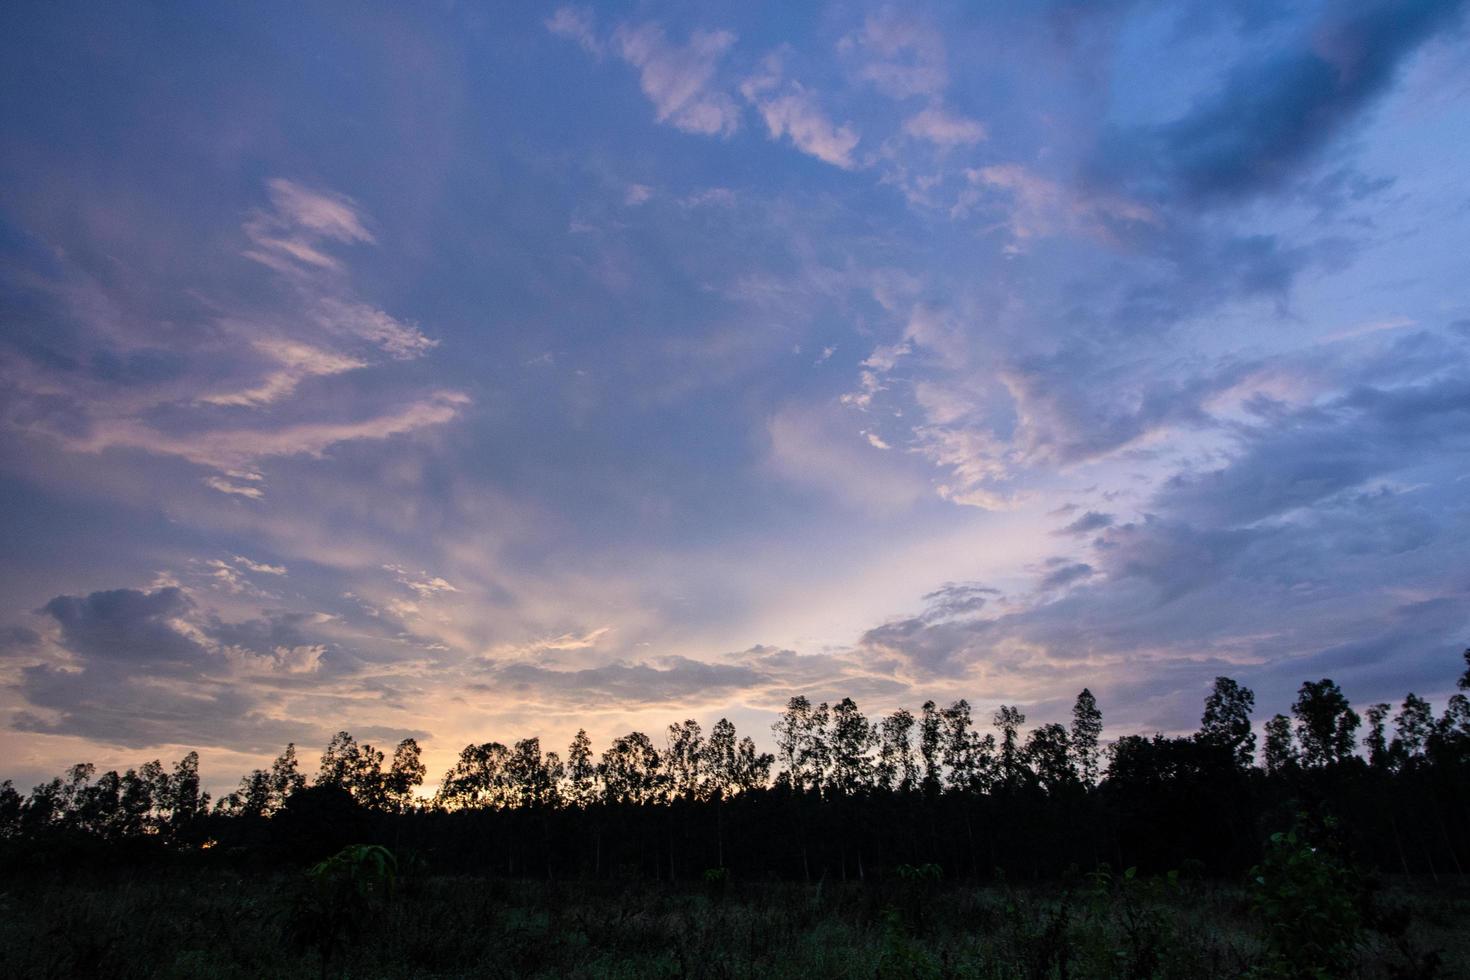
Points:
214	922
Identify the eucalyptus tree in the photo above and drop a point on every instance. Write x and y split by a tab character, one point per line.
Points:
967	757
405	775
479	778
815	757
850	740
1046	754
1412	727
931	747
1376	741
531	776
896	767
1086	732
1454	725
789	730
684	762
182	798
1226	722
631	770
752	767
12	804
1008	719
1280	750
580	773
1326	724
353	767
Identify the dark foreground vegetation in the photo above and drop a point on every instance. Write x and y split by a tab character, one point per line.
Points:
910	846
213	922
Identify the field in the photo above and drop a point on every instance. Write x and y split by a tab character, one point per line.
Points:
219	923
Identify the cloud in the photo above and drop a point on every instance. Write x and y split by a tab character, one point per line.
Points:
1037	207
233	489
141	715
259	567
422	584
125	626
813	448
901	58
677	80
1274	111
668	681
1087	523
576	24
346	317
944	128
145	668
1064	575
791	110
289	236
298	362
1075	404
235	449
796	114
1322	450
1303	524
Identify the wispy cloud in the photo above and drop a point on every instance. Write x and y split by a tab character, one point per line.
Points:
944	128
678	78
576	24
793	111
291	234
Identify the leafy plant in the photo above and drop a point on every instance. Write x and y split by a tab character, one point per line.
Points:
345	894
1308	902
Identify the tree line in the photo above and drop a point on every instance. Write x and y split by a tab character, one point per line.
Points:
842	794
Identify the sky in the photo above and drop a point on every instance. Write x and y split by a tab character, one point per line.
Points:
473	371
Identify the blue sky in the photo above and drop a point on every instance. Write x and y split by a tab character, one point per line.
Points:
480	371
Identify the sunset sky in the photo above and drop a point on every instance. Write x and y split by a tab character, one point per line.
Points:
473	371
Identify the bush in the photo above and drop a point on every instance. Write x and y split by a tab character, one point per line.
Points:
1308	900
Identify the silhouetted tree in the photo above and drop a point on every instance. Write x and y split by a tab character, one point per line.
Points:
685	761
11	803
1086	731
1009	719
967	756
1281	751
356	768
1047	755
405	774
182	796
931	747
752	768
1412	727
1162	801
1454	726
720	754
262	793
581	771
532	782
790	731
1376	741
479	778
1326	723
630	770
815	757
850	742
896	767
1226	722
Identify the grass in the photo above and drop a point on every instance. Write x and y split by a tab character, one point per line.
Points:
216	923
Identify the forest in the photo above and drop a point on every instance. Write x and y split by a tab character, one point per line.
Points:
896	825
